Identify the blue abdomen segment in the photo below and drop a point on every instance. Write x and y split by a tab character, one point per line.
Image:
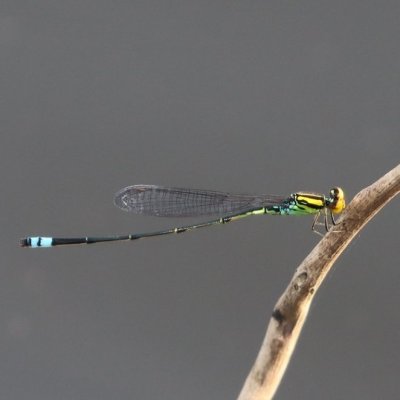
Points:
37	241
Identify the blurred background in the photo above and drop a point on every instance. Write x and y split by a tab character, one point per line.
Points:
258	97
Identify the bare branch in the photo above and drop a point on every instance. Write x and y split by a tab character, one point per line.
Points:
292	308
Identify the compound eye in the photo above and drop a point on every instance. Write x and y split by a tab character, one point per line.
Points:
337	201
334	192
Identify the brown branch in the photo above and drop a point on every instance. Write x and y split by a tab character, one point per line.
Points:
291	309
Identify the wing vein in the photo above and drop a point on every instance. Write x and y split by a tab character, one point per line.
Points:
181	202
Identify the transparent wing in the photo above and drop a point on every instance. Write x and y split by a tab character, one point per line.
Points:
179	202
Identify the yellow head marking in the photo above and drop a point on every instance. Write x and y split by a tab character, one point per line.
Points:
337	201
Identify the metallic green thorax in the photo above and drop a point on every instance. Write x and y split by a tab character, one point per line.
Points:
299	204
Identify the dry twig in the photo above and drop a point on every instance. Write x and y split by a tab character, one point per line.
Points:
291	309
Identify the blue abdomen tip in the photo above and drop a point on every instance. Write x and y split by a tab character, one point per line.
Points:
36	241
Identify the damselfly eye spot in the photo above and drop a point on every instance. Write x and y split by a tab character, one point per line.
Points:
337	200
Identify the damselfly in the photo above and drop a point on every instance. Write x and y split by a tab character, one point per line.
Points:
176	202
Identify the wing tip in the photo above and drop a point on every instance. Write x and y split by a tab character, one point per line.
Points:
124	198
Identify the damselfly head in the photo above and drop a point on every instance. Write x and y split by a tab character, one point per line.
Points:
336	201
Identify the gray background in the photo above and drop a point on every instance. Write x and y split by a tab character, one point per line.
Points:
261	96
